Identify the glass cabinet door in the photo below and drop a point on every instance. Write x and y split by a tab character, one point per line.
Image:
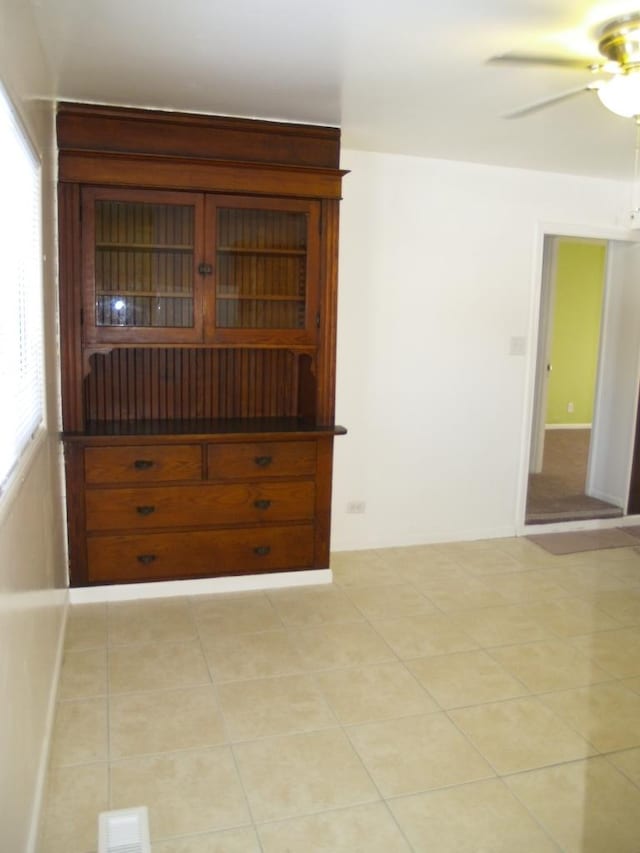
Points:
266	269
141	253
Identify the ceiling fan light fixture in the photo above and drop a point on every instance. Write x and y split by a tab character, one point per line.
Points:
621	94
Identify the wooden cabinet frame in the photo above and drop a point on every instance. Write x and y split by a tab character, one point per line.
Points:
305	336
94	334
205	384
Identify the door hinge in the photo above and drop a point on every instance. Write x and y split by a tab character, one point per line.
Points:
318	320
82	316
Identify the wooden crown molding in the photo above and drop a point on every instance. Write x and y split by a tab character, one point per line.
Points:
121	129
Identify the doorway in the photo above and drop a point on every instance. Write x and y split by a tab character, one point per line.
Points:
586	300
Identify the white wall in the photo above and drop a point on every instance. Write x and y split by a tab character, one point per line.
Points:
32	560
439	269
615	411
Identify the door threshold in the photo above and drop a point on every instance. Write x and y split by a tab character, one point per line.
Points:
578	524
572	515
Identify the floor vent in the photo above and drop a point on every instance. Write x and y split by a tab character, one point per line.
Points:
124	831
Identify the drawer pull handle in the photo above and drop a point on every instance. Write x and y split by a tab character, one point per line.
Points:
145	510
262	550
146	558
263	461
262	504
143	464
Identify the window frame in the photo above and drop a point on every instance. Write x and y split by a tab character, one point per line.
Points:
12	479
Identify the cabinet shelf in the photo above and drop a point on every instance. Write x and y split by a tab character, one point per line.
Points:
177	430
266	298
144	247
232	250
148	294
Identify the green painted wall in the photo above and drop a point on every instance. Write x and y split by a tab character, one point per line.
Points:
576	331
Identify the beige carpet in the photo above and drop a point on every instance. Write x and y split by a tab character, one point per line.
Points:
587	540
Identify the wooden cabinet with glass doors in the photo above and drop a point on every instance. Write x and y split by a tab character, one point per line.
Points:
198	300
140	265
265	268
157	264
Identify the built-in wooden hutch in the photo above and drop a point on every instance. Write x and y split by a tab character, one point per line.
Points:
198	272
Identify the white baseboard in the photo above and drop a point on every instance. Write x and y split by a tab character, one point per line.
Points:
197	586
43	765
567	426
408	540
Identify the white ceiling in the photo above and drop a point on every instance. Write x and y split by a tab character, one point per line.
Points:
404	76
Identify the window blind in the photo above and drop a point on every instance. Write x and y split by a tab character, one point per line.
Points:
21	328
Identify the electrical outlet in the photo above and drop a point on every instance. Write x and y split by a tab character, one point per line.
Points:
356	507
570	408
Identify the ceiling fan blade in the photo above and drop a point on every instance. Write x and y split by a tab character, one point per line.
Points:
548	102
578	62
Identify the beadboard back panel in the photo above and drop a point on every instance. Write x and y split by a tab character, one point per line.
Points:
184	384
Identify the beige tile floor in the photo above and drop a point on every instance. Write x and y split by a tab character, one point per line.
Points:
476	696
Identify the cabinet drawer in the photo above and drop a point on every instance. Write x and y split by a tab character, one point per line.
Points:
143	464
261	459
210	553
199	506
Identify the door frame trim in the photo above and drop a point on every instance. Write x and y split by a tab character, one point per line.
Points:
542	231
545	333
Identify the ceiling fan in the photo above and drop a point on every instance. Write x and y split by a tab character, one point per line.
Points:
618	42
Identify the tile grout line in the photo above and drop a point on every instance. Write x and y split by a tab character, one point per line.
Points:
607	757
311	674
229	744
109	756
532	815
